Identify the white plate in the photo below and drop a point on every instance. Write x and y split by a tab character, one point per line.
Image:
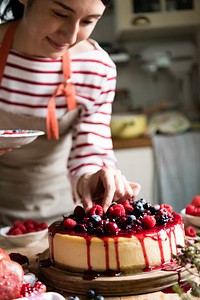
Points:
17	138
45	296
192	220
23	240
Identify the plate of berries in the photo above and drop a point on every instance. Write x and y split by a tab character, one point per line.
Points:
14	138
24	233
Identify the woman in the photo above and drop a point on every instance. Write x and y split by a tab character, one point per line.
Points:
69	99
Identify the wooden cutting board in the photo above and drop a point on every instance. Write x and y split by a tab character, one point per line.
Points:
136	284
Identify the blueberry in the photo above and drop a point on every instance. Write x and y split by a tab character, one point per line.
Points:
73	298
154	208
95	219
138	209
99	297
131	219
143	201
91	294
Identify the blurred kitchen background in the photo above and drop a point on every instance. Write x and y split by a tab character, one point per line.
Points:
156	113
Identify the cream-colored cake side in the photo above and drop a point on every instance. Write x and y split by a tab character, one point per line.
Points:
124	253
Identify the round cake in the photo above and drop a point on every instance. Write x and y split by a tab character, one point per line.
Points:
129	237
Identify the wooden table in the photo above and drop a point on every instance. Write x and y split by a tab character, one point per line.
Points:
33	252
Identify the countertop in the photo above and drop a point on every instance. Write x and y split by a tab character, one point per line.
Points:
142	141
33	252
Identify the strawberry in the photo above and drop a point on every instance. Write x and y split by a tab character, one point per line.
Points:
148	221
190	231
117	210
196	201
190	210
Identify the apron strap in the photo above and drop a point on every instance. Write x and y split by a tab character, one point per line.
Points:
66	88
5	47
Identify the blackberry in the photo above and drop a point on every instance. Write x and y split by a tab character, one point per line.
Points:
162	216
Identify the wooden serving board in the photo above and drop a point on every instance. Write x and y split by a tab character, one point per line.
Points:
136	284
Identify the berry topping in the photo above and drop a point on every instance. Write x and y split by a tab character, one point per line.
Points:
148	221
129	217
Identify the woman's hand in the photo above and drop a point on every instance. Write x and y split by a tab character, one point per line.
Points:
4	150
106	186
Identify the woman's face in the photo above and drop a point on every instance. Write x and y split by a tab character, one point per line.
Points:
51	27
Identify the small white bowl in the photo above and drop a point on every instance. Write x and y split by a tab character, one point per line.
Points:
23	240
191	220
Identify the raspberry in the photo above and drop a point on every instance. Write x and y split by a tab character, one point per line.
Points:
190	210
17	223
167	207
43	225
148	221
69	223
190	231
27	226
14	231
197	212
125	202
117	210
96	210
196	201
128	208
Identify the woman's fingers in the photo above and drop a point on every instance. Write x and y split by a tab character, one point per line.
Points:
106	186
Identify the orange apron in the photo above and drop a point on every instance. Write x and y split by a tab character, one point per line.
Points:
34	181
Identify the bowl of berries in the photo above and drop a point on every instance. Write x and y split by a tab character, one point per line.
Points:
191	213
24	233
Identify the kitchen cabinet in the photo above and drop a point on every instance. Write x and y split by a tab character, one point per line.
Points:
142	18
137	164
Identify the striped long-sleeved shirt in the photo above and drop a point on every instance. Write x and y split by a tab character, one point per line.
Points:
29	82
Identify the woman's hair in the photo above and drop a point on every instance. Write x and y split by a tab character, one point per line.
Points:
13	9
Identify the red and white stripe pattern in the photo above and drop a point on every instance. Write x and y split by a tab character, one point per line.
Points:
29	82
